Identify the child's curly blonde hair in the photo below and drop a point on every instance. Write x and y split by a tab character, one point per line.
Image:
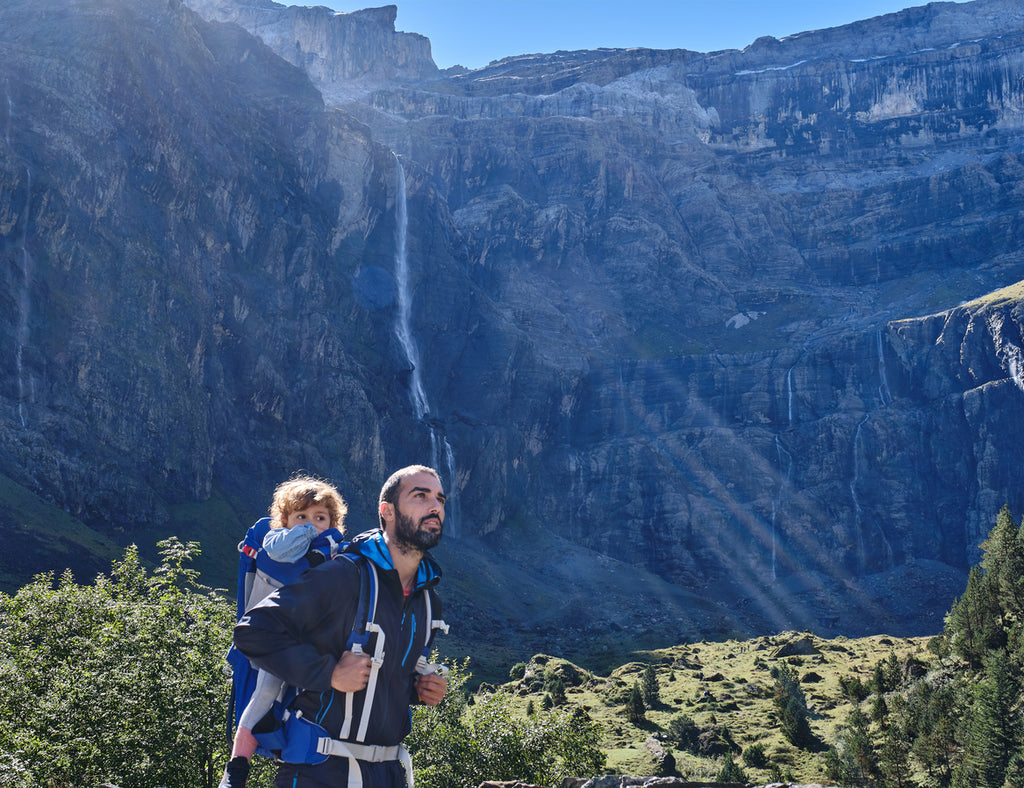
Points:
301	492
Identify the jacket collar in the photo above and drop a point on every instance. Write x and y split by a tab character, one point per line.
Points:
371	545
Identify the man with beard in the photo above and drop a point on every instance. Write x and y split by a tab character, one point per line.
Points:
346	725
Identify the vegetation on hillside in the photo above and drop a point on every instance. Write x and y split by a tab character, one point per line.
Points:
881	711
122	680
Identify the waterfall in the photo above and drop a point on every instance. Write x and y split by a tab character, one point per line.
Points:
403	329
22	276
10	112
23	287
883	386
789	393
785	459
857	512
442	456
1015	363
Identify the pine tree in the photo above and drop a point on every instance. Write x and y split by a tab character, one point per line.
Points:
649	687
1003	562
994	729
636	712
894	754
879	711
859	749
973	624
893	673
791	706
730	771
931	718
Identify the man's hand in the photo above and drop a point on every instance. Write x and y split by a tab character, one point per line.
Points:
352	672
431	688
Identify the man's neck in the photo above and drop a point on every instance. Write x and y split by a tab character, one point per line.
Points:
406	561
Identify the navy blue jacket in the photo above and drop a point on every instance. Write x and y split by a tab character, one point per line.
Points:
300	631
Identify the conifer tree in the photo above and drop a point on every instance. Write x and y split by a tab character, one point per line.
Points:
893	673
730	771
636	712
649	687
994	728
931	719
791	706
894	758
1003	562
859	749
973	624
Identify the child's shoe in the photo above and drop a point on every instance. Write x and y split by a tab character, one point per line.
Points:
236	773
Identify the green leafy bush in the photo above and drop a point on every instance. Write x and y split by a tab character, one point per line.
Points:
116	681
455	744
755	757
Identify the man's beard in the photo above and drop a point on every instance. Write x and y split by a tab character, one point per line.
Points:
411	536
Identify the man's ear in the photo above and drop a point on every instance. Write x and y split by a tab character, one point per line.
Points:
387	511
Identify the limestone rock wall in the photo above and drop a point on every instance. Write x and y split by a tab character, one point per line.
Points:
713	319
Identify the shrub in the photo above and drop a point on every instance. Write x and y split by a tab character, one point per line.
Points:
755	757
683	732
116	681
454	744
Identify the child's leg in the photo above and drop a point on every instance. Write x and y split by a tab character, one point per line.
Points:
245	744
268	687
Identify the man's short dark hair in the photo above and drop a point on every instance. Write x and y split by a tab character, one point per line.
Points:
389	492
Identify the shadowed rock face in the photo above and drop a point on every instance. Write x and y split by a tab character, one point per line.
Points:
700	322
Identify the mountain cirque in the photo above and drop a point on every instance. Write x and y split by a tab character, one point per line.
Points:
707	336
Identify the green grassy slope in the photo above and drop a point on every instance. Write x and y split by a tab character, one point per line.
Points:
723	684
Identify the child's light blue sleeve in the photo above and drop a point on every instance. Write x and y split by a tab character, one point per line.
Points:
289	545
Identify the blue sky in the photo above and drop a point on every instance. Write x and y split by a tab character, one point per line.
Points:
472	33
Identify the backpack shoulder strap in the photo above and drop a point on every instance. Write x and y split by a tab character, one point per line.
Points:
363	626
423	664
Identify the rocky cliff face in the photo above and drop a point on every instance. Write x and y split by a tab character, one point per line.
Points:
716	324
345	55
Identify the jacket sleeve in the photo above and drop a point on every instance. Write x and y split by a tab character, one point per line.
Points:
288	545
298	632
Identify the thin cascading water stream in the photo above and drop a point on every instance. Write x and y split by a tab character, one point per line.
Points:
10	112
23	274
785	459
442	454
403	328
857	511
789	394
883	386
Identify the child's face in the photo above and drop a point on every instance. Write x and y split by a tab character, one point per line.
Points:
316	514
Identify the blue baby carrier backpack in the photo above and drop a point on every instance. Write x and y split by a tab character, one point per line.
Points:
258	576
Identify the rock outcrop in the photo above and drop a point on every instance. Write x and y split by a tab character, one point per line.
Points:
704	343
346	55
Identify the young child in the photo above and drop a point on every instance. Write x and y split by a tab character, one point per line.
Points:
307	522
